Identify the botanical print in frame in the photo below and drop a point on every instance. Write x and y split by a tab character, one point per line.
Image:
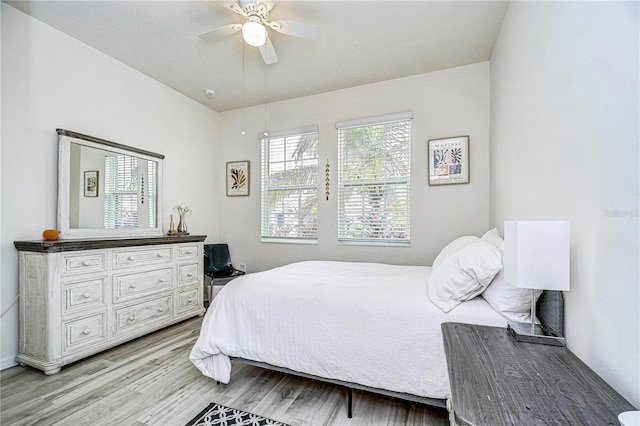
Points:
449	160
237	178
91	183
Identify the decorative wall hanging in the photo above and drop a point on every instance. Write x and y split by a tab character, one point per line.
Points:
448	161
237	178
142	189
91	183
326	177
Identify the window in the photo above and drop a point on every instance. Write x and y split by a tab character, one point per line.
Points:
121	192
374	174
290	186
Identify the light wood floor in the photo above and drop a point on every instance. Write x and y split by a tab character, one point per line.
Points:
151	381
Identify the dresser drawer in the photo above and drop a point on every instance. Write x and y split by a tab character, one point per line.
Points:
188	300
188	274
141	257
84	331
131	318
81	295
189	251
74	264
127	286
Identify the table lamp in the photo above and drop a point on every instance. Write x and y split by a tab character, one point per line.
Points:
536	257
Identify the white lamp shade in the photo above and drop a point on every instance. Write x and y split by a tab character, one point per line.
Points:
254	33
537	253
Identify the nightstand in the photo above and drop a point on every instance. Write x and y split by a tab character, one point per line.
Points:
496	380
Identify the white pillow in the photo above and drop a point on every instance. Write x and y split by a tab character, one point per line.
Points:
511	302
493	237
464	275
452	247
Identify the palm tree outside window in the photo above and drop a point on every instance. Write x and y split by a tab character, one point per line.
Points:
289	207
374	175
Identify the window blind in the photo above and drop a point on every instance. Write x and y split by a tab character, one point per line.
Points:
121	192
289	206
374	175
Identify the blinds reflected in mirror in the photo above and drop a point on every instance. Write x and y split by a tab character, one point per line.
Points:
125	192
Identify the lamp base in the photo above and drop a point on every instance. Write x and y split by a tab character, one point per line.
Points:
522	332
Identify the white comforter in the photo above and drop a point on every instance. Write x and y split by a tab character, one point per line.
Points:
367	323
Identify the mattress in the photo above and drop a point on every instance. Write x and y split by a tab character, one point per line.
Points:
366	323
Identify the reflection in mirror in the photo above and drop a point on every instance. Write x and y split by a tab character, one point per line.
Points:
107	189
122	194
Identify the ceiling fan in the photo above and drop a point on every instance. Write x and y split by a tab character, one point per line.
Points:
254	31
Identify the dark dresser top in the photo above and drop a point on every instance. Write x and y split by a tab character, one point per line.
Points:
496	380
43	246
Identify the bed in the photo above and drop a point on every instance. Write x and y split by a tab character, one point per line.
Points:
366	326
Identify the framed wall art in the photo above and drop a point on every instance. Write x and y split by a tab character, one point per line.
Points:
91	183
448	160
237	178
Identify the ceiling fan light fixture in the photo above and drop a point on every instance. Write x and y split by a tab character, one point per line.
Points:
254	33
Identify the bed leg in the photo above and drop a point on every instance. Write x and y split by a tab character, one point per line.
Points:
349	402
452	415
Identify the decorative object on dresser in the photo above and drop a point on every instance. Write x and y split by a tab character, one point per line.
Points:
536	256
80	297
50	234
182	222
497	380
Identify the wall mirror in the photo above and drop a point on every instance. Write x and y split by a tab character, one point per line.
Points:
106	189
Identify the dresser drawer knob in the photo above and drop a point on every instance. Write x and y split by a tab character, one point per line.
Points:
132	258
131	318
162	280
189	275
86	263
159	255
133	285
160	309
189	252
86	331
86	295
189	300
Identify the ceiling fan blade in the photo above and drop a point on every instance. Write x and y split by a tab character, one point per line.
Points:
221	32
266	4
297	29
233	6
268	52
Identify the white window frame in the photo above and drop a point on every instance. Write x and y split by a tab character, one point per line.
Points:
266	217
396	182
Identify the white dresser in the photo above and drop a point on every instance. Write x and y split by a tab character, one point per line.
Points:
80	297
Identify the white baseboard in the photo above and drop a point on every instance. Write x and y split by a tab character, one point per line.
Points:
7	362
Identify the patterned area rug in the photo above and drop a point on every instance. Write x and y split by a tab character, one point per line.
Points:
219	415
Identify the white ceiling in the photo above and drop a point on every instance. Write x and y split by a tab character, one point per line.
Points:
363	42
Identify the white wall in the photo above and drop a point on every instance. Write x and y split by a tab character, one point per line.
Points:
452	102
50	81
564	145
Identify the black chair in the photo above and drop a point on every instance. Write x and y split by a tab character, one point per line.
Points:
218	267
217	262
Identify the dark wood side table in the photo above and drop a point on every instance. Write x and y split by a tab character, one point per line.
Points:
496	380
